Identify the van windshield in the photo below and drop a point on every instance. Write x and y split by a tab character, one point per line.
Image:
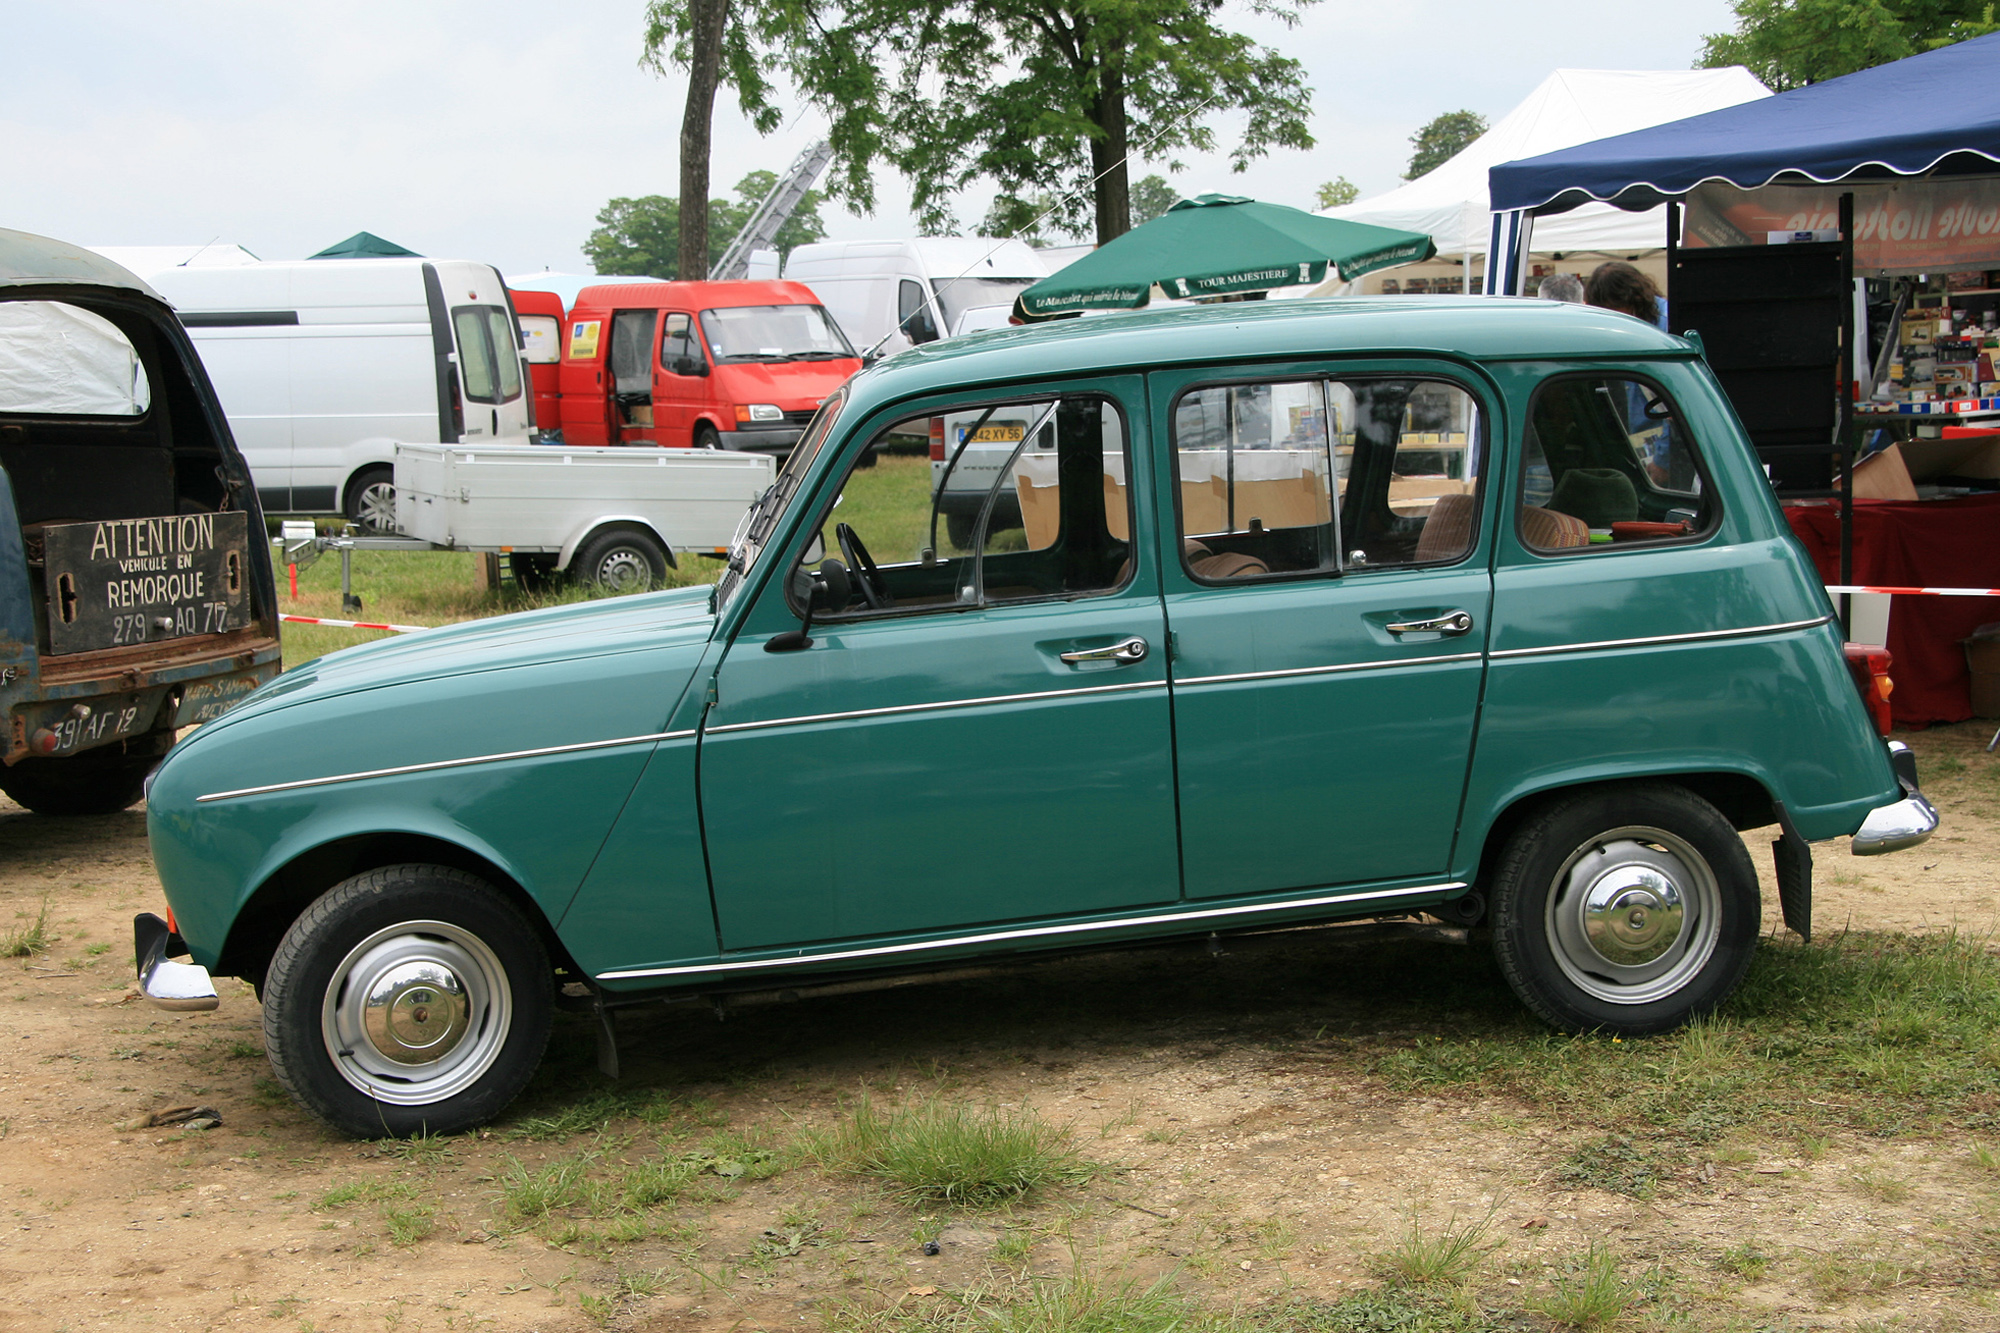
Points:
958	295
773	333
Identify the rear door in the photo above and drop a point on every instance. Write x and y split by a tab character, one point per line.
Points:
1329	612
486	337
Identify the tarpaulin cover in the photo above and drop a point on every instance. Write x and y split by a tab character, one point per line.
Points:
1928	543
365	245
1939	110
60	360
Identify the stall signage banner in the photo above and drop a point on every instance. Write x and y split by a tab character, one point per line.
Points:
1926	226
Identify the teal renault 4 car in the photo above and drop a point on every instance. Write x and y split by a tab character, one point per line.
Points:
1476	609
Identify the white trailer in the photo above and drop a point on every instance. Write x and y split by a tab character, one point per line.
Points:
612	516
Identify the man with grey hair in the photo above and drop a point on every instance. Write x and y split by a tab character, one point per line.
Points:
1561	287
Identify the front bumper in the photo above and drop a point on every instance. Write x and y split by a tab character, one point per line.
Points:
1900	824
177	987
779	440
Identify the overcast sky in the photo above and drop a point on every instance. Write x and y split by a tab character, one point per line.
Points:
495	129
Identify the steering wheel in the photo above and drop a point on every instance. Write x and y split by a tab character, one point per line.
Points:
866	575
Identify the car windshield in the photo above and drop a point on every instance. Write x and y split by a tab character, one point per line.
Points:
958	295
773	333
761	520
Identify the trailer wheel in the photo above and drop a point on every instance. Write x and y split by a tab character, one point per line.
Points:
621	560
371	500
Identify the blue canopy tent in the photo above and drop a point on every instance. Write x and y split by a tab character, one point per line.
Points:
1935	115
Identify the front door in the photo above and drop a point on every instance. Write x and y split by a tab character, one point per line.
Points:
1329	617
978	735
681	384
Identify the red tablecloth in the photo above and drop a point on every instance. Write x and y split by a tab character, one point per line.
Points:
1929	543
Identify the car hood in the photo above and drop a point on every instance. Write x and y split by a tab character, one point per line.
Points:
791	385
568	633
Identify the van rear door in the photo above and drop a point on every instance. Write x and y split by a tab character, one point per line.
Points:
486	340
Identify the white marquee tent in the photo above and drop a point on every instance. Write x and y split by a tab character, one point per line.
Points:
1570	107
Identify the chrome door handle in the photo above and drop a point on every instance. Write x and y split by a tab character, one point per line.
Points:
1131	650
1458	622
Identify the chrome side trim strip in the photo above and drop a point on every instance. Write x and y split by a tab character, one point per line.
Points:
1698	637
1001	936
445	763
1331	670
895	709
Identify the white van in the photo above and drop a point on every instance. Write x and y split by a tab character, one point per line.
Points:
901	293
323	365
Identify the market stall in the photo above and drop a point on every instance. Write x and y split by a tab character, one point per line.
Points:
1838	249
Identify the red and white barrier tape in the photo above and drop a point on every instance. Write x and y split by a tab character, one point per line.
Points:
352	624
1916	592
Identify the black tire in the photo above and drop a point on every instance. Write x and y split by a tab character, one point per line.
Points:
621	560
96	782
532	573
1584	923
413	933
371	500
706	438
959	528
868	458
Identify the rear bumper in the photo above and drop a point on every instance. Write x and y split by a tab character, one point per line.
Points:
176	987
1900	824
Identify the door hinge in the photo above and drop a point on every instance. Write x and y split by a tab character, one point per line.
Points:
713	697
1173	646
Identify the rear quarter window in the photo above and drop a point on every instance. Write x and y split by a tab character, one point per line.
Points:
61	360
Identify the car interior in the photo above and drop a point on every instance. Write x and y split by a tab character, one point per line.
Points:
1606	461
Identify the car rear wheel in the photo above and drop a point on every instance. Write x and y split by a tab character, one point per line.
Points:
1627	909
621	560
371	500
96	782
410	999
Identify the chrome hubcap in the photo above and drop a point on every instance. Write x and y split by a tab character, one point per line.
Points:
1634	915
417	1013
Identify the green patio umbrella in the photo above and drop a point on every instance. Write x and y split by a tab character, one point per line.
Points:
364	245
1216	245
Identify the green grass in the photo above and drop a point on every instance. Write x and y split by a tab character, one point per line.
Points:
1589	1295
587	1184
31	939
1445	1258
952	1153
1882	1035
1077	1302
363	1191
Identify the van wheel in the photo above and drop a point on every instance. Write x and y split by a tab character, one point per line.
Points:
1626	909
411	999
706	438
96	782
371	500
959	527
621	560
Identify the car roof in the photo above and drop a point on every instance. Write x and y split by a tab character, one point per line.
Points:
692	295
1475	328
28	260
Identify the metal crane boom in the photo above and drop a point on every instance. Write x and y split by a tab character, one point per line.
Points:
775	210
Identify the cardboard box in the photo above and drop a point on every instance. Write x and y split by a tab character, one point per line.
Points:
1924	460
1884	477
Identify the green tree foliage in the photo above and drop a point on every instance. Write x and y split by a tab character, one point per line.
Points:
1790	43
640	237
1441	140
1338	192
1151	198
1039	96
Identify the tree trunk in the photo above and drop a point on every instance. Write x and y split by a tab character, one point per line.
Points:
1107	155
704	60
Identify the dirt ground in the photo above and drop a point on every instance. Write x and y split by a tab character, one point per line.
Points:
1249	1157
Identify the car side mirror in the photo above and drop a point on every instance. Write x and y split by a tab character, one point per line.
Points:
830	589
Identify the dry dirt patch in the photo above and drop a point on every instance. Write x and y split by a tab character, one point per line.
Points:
1254	1149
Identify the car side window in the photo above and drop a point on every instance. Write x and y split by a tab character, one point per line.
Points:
913	313
1607	461
1323	475
980	505
678	350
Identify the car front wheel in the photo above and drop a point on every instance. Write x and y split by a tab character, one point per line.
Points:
410	999
1626	909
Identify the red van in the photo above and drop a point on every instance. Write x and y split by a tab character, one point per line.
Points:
728	365
541	319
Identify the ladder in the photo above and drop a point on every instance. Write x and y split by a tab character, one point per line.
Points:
776	210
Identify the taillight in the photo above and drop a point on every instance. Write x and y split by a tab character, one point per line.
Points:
1869	664
937	439
457	411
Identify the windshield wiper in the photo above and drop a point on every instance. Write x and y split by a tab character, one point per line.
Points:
820	356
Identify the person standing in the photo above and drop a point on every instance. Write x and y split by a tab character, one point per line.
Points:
1621	287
